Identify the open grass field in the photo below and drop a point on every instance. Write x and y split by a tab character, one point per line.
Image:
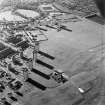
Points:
77	53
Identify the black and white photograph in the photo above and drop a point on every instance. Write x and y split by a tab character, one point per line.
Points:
52	52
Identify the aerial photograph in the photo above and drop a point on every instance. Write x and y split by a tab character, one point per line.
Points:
52	52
